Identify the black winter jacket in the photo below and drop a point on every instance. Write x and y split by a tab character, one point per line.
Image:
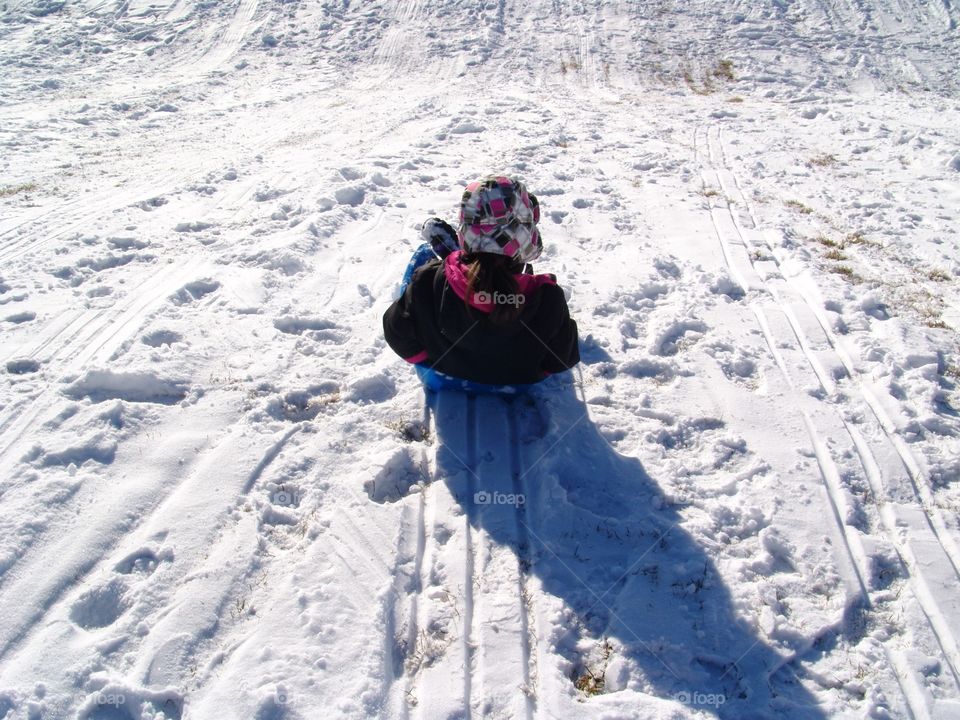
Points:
430	324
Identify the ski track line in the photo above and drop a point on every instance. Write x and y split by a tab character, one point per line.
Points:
354	549
418	612
833	485
100	328
921	589
828	471
96	329
194	492
926	599
101	348
537	626
930	605
102	206
85	327
910	464
74	215
230	40
209	556
888	427
51	331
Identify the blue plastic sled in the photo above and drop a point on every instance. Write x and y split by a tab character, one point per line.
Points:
436	381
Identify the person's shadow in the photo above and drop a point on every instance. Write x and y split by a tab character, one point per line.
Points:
594	530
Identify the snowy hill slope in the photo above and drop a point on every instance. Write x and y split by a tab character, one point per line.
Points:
221	494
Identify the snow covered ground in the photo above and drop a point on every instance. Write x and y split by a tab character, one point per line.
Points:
222	496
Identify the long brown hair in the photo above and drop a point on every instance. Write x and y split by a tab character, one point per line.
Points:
494	275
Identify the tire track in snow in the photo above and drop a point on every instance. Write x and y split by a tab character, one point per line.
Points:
891	518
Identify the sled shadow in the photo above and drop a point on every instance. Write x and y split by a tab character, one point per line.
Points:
595	533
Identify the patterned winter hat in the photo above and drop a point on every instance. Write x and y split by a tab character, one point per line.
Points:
499	216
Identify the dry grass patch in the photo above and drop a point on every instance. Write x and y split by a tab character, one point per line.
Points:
798	206
823	160
724	71
11	190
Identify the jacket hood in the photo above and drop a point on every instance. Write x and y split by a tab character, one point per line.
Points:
451	288
455	270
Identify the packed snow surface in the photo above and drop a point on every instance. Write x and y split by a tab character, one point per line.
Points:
223	496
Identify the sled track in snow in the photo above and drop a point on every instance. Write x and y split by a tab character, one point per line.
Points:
465	630
802	332
91	336
75	215
158	515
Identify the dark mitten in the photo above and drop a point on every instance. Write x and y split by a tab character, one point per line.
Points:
441	236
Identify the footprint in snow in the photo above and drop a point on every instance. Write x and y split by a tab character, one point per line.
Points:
395	479
301	405
23	366
143	561
134	387
101	606
158	338
727	287
99	291
317	329
738	364
193	291
127	243
677	336
646	368
21	317
349	173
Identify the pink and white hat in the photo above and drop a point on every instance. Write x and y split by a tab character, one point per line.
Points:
499	216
